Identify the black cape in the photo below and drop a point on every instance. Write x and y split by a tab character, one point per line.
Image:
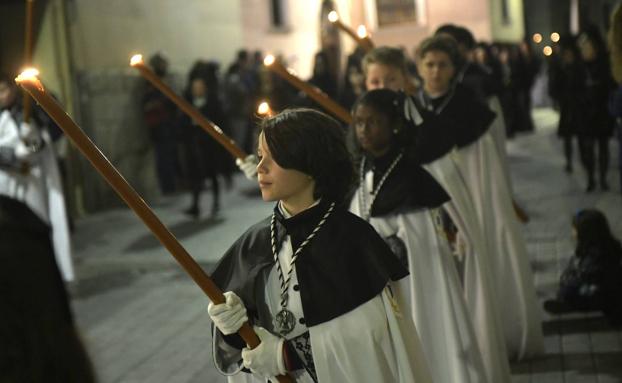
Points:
345	265
457	119
408	187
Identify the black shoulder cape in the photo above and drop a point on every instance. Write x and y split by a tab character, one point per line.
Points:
409	186
345	265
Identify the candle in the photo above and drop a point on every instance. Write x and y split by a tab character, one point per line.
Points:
30	83
362	40
312	91
211	128
28	54
264	109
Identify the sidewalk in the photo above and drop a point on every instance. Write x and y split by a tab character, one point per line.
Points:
143	320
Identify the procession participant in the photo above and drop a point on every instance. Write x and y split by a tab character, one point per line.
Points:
29	171
313	276
402	201
385	67
434	147
37	332
478	162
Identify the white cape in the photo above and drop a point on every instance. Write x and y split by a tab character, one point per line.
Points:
477	279
433	295
481	169
390	352
41	189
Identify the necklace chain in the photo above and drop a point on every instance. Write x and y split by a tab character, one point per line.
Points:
285	280
364	207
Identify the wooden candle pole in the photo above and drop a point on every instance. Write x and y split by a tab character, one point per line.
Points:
27	106
30	83
363	41
191	111
312	91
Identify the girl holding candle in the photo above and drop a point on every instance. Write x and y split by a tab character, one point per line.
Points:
313	277
401	201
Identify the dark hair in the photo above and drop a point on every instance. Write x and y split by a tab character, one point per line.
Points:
461	34
593	232
385	102
443	44
386	56
313	143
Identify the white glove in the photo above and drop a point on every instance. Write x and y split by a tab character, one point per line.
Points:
248	166
29	143
228	317
266	359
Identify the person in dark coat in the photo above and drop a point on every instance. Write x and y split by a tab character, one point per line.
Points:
598	126
205	158
592	281
567	88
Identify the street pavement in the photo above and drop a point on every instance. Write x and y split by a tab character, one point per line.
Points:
143	319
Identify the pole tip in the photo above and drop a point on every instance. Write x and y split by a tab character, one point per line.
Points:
269	60
136	59
263	109
27	74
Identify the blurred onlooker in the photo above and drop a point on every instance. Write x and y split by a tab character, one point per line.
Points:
526	67
567	89
598	126
593	278
322	77
615	46
160	115
354	79
239	99
205	158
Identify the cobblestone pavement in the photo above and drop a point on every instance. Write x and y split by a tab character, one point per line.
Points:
143	320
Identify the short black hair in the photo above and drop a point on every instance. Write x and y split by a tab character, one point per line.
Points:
313	143
461	34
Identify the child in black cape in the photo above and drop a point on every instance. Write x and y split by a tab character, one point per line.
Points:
312	277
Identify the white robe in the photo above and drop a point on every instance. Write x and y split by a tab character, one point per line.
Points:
497	130
40	189
513	281
372	343
433	295
478	281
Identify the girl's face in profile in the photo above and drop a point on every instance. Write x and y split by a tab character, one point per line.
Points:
277	183
372	130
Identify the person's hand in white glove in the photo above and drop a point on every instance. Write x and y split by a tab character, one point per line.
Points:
266	359
228	317
248	166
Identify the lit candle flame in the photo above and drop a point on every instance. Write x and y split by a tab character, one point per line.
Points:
263	108
554	37
537	38
547	50
333	16
269	60
136	59
361	31
27	75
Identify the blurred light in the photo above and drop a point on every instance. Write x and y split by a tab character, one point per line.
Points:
361	31
27	74
136	59
333	16
554	37
547	50
269	60
263	108
537	38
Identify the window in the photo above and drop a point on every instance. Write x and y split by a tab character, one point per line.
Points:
276	14
395	12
